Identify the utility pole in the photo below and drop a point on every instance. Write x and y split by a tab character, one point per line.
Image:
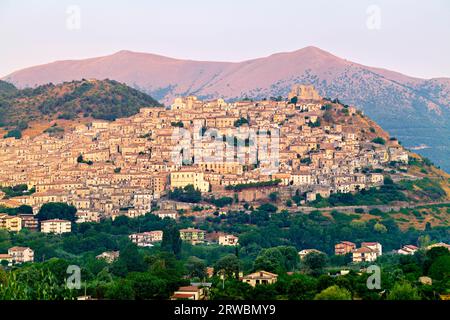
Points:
223	279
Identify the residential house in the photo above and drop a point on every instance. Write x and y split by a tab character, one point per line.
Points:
146	239
260	277
408	249
21	254
189	293
376	246
228	240
303	253
109	256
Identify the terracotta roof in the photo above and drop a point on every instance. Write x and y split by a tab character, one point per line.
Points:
191	230
260	275
363	250
347	243
18	248
369	243
182	295
55	220
188	289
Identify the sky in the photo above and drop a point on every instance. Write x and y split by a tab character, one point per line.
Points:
409	36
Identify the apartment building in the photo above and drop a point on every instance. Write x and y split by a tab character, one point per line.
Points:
194	236
29	221
10	223
344	247
56	226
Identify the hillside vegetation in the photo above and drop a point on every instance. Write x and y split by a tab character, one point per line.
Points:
106	99
7	88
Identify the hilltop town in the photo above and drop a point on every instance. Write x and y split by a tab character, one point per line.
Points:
219	162
222	177
106	169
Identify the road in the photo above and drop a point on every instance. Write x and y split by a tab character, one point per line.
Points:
384	208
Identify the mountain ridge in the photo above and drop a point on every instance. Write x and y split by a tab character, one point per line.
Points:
309	49
414	109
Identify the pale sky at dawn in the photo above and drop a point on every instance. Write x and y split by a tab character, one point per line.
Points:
412	37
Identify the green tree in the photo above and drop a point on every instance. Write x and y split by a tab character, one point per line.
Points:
301	287
147	286
58	267
267	207
290	256
129	260
270	260
379	140
15	133
380	228
440	269
240	122
315	262
263	292
32	283
186	194
220	202
120	290
273	196
231	289
228	265
57	210
195	267
171	241
334	293
277	259
403	291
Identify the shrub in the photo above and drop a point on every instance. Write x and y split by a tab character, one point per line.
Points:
379	140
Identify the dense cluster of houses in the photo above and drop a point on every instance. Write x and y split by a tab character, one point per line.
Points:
107	169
